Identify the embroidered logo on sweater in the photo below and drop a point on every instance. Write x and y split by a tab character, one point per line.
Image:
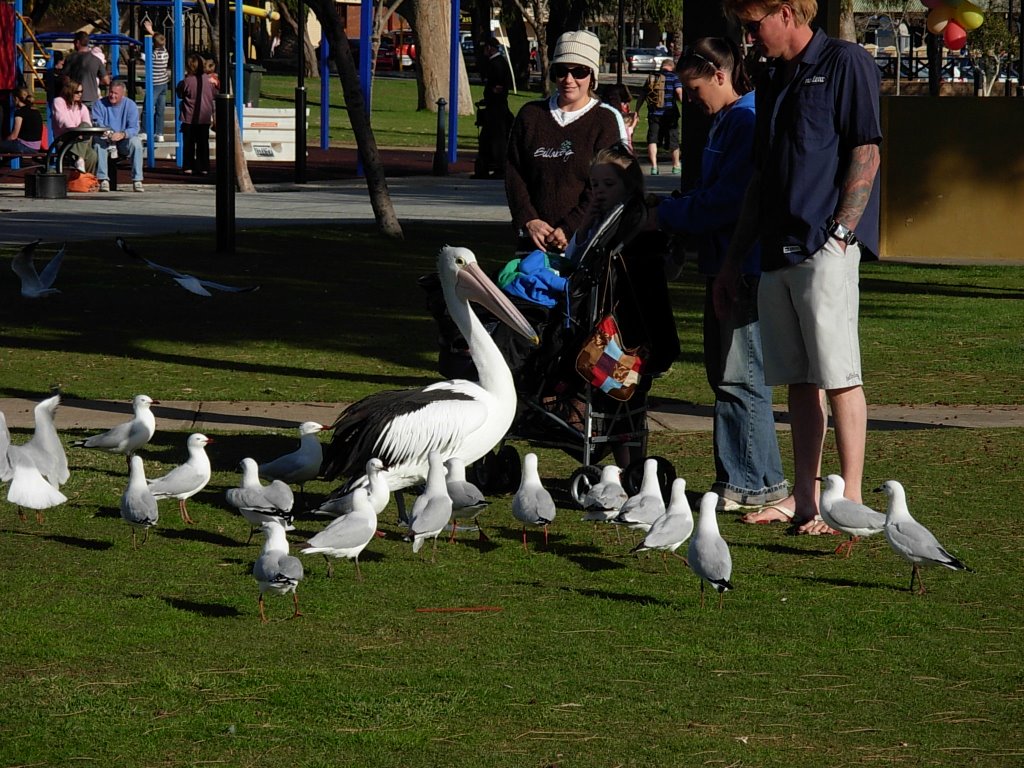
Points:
562	152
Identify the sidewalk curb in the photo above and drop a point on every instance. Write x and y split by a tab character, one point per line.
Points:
244	415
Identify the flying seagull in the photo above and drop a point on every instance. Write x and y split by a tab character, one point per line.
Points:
35	285
190	283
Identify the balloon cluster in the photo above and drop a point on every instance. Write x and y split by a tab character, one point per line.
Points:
953	19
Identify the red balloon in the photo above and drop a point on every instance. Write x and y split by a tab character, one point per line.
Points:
954	35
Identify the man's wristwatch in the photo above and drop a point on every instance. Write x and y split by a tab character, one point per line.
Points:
841	232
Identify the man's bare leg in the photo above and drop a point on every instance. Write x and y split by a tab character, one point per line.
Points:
850	415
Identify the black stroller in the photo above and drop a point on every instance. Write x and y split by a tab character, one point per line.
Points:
558	408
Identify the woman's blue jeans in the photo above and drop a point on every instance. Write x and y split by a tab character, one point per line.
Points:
748	469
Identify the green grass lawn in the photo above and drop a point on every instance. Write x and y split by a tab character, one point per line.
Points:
156	657
393	114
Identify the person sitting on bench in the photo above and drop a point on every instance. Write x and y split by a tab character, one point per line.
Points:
121	115
26	137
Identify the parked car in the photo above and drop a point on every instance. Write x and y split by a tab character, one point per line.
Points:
386	57
645	59
405	48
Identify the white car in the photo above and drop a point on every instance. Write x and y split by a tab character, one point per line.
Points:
645	59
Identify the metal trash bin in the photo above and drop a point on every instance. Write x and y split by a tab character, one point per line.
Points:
253	81
46	185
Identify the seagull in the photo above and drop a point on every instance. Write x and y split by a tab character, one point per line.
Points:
128	436
432	509
467	500
604	500
376	490
671	529
346	536
190	283
911	540
33	284
38	468
642	509
456	418
856	520
257	502
138	505
532	504
275	570
302	464
708	554
188	479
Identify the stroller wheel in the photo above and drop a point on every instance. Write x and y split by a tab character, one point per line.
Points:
510	471
633	475
582	480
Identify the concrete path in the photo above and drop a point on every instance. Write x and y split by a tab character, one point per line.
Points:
241	416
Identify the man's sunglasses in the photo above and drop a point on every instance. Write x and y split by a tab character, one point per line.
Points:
753	27
561	71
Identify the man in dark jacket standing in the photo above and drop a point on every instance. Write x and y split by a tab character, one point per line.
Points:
494	118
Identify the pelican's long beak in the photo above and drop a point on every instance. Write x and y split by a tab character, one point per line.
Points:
474	285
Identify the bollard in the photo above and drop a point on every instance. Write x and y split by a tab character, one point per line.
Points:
440	159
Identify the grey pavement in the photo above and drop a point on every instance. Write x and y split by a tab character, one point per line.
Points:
173	208
242	416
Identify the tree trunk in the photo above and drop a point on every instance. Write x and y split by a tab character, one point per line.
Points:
847	27
293	24
376	181
432	21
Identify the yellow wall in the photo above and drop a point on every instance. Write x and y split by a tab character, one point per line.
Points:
952	178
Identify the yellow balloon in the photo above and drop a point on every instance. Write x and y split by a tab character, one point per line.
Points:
969	15
938	18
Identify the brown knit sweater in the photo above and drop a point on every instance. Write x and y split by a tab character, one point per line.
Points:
548	171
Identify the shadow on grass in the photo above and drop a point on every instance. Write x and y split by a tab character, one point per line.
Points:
209	610
197	534
851	583
113	512
623	597
75	541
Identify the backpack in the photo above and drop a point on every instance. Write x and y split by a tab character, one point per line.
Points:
82	182
654	89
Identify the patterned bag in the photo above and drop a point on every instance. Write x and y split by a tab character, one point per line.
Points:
607	364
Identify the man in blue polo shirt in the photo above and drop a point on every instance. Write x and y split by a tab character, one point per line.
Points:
813	200
121	115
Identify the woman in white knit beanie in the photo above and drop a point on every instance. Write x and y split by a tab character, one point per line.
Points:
553	141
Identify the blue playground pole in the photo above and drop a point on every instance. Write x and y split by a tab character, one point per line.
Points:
179	72
241	97
115	48
147	44
325	93
453	87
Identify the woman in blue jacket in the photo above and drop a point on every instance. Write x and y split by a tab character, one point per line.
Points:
748	469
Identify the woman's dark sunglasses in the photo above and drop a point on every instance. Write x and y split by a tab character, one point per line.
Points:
563	70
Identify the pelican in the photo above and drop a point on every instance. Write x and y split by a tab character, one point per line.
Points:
455	418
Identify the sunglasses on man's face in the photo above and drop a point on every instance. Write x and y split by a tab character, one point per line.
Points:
562	71
753	27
